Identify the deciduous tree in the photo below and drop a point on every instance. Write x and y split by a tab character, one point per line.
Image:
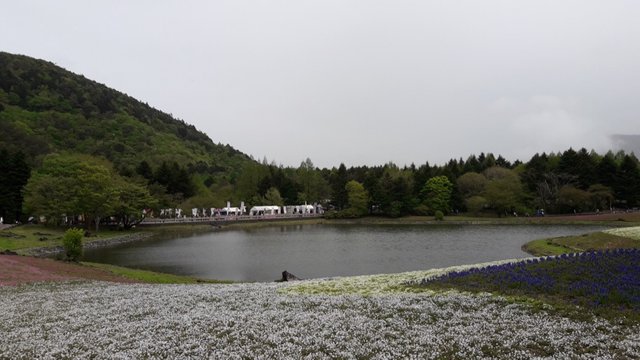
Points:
437	194
358	198
72	184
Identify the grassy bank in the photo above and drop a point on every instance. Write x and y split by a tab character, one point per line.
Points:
24	237
30	239
623	238
151	277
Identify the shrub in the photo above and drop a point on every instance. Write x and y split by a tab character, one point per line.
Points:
72	243
439	215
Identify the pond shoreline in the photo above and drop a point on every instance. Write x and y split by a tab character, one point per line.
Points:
258	252
93	244
152	230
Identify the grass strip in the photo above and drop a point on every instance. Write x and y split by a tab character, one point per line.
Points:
578	243
151	277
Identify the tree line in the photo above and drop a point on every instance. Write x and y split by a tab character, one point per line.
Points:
66	186
571	181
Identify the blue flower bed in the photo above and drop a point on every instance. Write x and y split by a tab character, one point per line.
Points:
608	278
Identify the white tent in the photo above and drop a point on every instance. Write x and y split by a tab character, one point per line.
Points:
230	211
265	210
299	209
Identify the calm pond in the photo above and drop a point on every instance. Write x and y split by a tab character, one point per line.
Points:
315	251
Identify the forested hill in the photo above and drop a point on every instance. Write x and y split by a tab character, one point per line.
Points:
45	108
57	128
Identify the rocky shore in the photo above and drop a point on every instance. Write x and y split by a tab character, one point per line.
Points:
91	244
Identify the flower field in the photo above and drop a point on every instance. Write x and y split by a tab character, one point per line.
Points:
597	279
292	321
628	232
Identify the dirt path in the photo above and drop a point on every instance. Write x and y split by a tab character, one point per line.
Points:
16	270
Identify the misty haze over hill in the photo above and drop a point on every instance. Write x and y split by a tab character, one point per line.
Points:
628	143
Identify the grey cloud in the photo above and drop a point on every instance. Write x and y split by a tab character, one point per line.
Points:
360	82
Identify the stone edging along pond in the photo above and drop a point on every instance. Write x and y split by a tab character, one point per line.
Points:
92	244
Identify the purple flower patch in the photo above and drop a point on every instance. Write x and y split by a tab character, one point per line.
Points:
609	278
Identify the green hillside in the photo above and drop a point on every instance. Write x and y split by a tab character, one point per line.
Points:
57	128
45	108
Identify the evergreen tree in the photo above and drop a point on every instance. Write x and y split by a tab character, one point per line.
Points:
627	187
585	169
607	170
14	174
420	176
488	161
338	185
502	162
19	175
6	204
144	170
568	162
473	164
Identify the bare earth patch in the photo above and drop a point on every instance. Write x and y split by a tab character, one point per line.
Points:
16	270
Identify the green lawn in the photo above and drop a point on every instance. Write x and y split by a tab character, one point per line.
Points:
579	243
34	236
151	277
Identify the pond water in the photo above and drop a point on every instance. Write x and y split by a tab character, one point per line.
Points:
315	251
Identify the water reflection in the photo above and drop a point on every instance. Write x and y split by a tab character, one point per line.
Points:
312	251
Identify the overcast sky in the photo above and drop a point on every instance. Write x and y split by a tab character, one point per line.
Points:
360	82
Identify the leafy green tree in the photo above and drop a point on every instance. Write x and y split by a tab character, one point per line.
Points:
358	198
273	197
132	200
572	199
471	184
601	196
475	204
503	191
547	190
96	193
437	194
248	181
314	187
68	185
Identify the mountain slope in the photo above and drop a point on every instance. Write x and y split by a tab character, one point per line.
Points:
45	108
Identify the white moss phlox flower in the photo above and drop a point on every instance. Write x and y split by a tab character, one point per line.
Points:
628	232
378	284
272	321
